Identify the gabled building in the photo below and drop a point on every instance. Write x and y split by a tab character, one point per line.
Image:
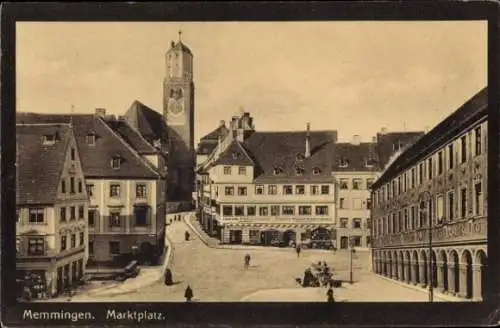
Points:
52	205
126	183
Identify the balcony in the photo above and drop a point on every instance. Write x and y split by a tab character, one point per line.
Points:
457	231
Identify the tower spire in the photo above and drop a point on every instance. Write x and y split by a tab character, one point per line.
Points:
180	35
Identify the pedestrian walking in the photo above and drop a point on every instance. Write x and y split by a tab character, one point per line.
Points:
247	261
188	294
186	235
329	296
297	250
168	277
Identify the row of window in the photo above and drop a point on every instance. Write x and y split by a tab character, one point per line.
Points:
273	190
72	186
356	223
115	190
114	248
357	183
439	209
434	165
299	170
72	213
64	241
273	210
37	245
116	220
357	204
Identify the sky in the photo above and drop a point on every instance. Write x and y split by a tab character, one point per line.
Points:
353	77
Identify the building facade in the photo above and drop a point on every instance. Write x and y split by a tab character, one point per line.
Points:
126	184
429	207
51	226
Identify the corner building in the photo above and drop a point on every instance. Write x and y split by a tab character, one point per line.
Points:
437	188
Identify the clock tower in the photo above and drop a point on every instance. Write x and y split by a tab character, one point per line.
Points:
178	111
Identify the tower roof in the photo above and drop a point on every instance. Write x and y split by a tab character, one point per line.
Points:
180	46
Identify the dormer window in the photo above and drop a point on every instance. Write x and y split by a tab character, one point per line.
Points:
344	162
49	139
277	170
116	162
91	139
316	170
370	162
300	157
299	171
236	155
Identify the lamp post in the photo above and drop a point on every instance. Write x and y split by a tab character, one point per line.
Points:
350	258
425	197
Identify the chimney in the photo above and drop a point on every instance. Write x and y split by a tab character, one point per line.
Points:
240	135
222	123
383	131
374	139
172	43
100	112
356	140
308	141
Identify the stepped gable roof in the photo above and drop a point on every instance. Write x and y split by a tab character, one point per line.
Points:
39	166
356	156
131	136
150	124
284	151
471	111
96	159
235	154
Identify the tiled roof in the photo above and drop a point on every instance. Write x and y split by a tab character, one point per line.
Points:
270	150
39	166
355	157
206	147
96	159
222	131
235	154
472	110
389	143
131	136
150	124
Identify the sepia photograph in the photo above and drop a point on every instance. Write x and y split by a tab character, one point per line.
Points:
251	161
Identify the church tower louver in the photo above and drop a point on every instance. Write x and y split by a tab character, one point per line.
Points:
178	111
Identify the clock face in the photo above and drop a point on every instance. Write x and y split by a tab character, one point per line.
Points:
175	106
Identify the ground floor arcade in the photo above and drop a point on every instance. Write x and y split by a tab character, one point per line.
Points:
459	271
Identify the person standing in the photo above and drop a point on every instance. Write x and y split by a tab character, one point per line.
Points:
329	296
168	277
247	261
188	294
297	250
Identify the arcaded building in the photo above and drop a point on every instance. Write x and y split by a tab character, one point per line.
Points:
429	207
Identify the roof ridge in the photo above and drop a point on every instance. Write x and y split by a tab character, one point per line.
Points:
44	124
139	134
132	150
244	151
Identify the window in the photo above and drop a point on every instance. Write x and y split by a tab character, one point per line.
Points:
227	170
287	210
115	163
451	205
73	241
91	139
272	189
227	210
17	215
242	170
325	190
63	186
275	210
406	222
478	143
463	149
236	155
62	214
90	189
91	215
342	203
420	173
49	139
140	190
64	243
356	241
229	191
251	210
278	171
463	202
239	210
81	212
314	190
368	241
80	186
343	222
356	223
412	178
263	211
71	185
369	183
82	238
299	171
141	216
114	247
259	189
344	184
300	190
114	190
36	246
242	191
305	210
300	157
429	168
321	210
287	190
451	156
114	220
316	171
91	248
343	163
440	163
478	199
73	154
36	215
356	184
72	213
368	223
368	203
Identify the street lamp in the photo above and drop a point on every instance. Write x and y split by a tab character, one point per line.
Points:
425	197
